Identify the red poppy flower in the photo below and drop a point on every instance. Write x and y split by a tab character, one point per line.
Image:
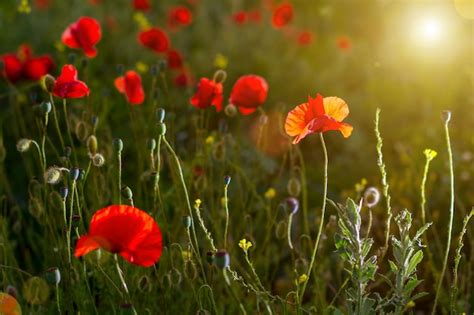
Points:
175	61
179	16
318	115
254	16
344	43
24	65
154	39
131	85
42	4
85	33
142	5
282	15
68	86
305	38
124	230
248	93
239	17
208	92
184	79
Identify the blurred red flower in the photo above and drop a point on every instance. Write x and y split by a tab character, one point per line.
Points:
239	17
344	43
85	33
184	79
142	5
208	92
318	115
68	86
154	39
282	15
179	16
124	230
23	65
131	85
175	61
42	4
305	38
254	16
248	93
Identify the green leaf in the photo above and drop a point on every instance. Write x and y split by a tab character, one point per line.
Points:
422	230
393	266
410	286
414	261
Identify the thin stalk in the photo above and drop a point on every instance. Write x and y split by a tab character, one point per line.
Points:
71	211
43	140
57	298
69	130
122	280
119	159
56	123
226	206
321	223
451	214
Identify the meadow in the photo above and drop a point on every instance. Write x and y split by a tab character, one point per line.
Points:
236	157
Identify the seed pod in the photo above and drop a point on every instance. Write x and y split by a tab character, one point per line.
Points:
98	160
151	144
23	145
92	144
230	110
81	131
74	174
45	107
154	70
281	229
144	284
446	115
227	179
94	121
293	187
71	58
161	129
187	221
292	205
127	193
52	175
53	276
48	83
222	259
118	145
160	115
64	192
11	290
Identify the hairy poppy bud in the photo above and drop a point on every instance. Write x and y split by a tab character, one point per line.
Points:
292	205
161	129
98	160
52	175
230	110
293	187
118	145
81	131
187	221
48	83
227	179
53	276
222	259
64	191
74	174
371	197
92	144
144	284
23	145
151	144
160	115
127	193
45	107
446	115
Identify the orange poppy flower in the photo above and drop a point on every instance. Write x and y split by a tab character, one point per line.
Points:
318	115
125	230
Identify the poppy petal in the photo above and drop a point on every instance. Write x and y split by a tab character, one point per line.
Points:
89	32
295	120
85	245
69	40
346	130
247	110
336	108
120	84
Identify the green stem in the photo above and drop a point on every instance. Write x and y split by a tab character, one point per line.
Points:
71	208
321	223
56	123
119	159
226	206
57	298
69	130
451	214
43	140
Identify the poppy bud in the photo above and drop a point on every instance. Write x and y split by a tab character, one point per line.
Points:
53	276
71	58
293	187
120	69
371	197
45	107
11	290
127	193
210	257
446	115
48	83
227	179
98	160
67	151
161	129
163	65
144	284
230	110
23	145
151	144
74	174
76	219
118	145
222	259
187	221
52	175
92	144
154	70
64	191
160	115
292	205
81	131
94	121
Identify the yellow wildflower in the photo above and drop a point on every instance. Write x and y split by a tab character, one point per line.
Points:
197	203
24	7
141	67
141	20
221	61
303	278
210	140
430	154
245	245
270	193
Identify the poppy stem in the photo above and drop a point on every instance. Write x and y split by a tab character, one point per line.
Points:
57	298
321	223
119	160
39	154
68	129
451	214
71	211
43	140
226	206
56	124
122	280
290	221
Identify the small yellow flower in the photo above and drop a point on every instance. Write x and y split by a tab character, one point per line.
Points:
303	278
141	67
360	186
197	203
187	255
210	140
411	304
141	20
59	46
245	245
24	7
430	154
221	61
270	193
